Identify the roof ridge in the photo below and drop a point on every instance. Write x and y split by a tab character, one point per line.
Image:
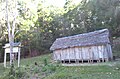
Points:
99	31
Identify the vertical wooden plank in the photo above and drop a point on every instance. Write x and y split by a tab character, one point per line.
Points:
5	59
58	54
19	57
110	51
74	52
105	53
91	54
62	55
65	54
94	54
86	53
77	54
82	53
102	50
98	54
69	54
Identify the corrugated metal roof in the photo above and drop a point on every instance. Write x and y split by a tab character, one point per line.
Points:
85	39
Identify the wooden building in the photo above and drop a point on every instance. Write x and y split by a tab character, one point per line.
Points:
88	47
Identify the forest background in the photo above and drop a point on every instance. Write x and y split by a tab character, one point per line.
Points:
39	24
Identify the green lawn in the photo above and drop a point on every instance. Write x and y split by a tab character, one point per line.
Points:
109	70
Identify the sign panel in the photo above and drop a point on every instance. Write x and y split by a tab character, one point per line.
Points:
15	50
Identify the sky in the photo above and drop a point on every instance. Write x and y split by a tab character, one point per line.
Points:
59	3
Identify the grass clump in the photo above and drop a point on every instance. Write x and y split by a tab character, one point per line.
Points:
13	73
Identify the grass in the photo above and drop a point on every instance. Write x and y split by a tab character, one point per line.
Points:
86	72
110	71
2	69
39	60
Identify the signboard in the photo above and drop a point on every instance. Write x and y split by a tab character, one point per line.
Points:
15	50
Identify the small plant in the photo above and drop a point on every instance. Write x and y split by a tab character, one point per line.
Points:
19	72
58	63
52	67
36	69
44	69
45	62
12	72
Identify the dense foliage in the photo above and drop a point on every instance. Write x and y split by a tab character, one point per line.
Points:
39	25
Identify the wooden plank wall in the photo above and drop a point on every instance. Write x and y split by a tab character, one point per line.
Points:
99	53
109	49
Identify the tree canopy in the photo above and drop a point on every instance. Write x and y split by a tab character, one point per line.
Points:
38	25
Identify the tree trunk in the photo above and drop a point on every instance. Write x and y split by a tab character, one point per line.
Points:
11	31
9	34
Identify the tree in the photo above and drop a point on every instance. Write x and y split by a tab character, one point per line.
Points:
11	28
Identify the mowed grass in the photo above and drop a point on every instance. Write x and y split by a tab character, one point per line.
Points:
110	71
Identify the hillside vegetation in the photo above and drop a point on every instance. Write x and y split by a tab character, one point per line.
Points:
41	67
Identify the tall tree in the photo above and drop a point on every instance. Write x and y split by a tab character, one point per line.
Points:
11	28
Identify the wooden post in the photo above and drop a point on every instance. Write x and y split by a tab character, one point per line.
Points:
19	57
69	55
60	56
97	60
88	60
106	60
91	60
98	55
107	52
81	55
82	60
63	61
5	59
102	59
75	56
102	52
90	54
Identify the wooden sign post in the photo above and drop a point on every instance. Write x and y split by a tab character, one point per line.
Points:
16	50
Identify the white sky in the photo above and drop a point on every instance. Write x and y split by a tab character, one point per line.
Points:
59	3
